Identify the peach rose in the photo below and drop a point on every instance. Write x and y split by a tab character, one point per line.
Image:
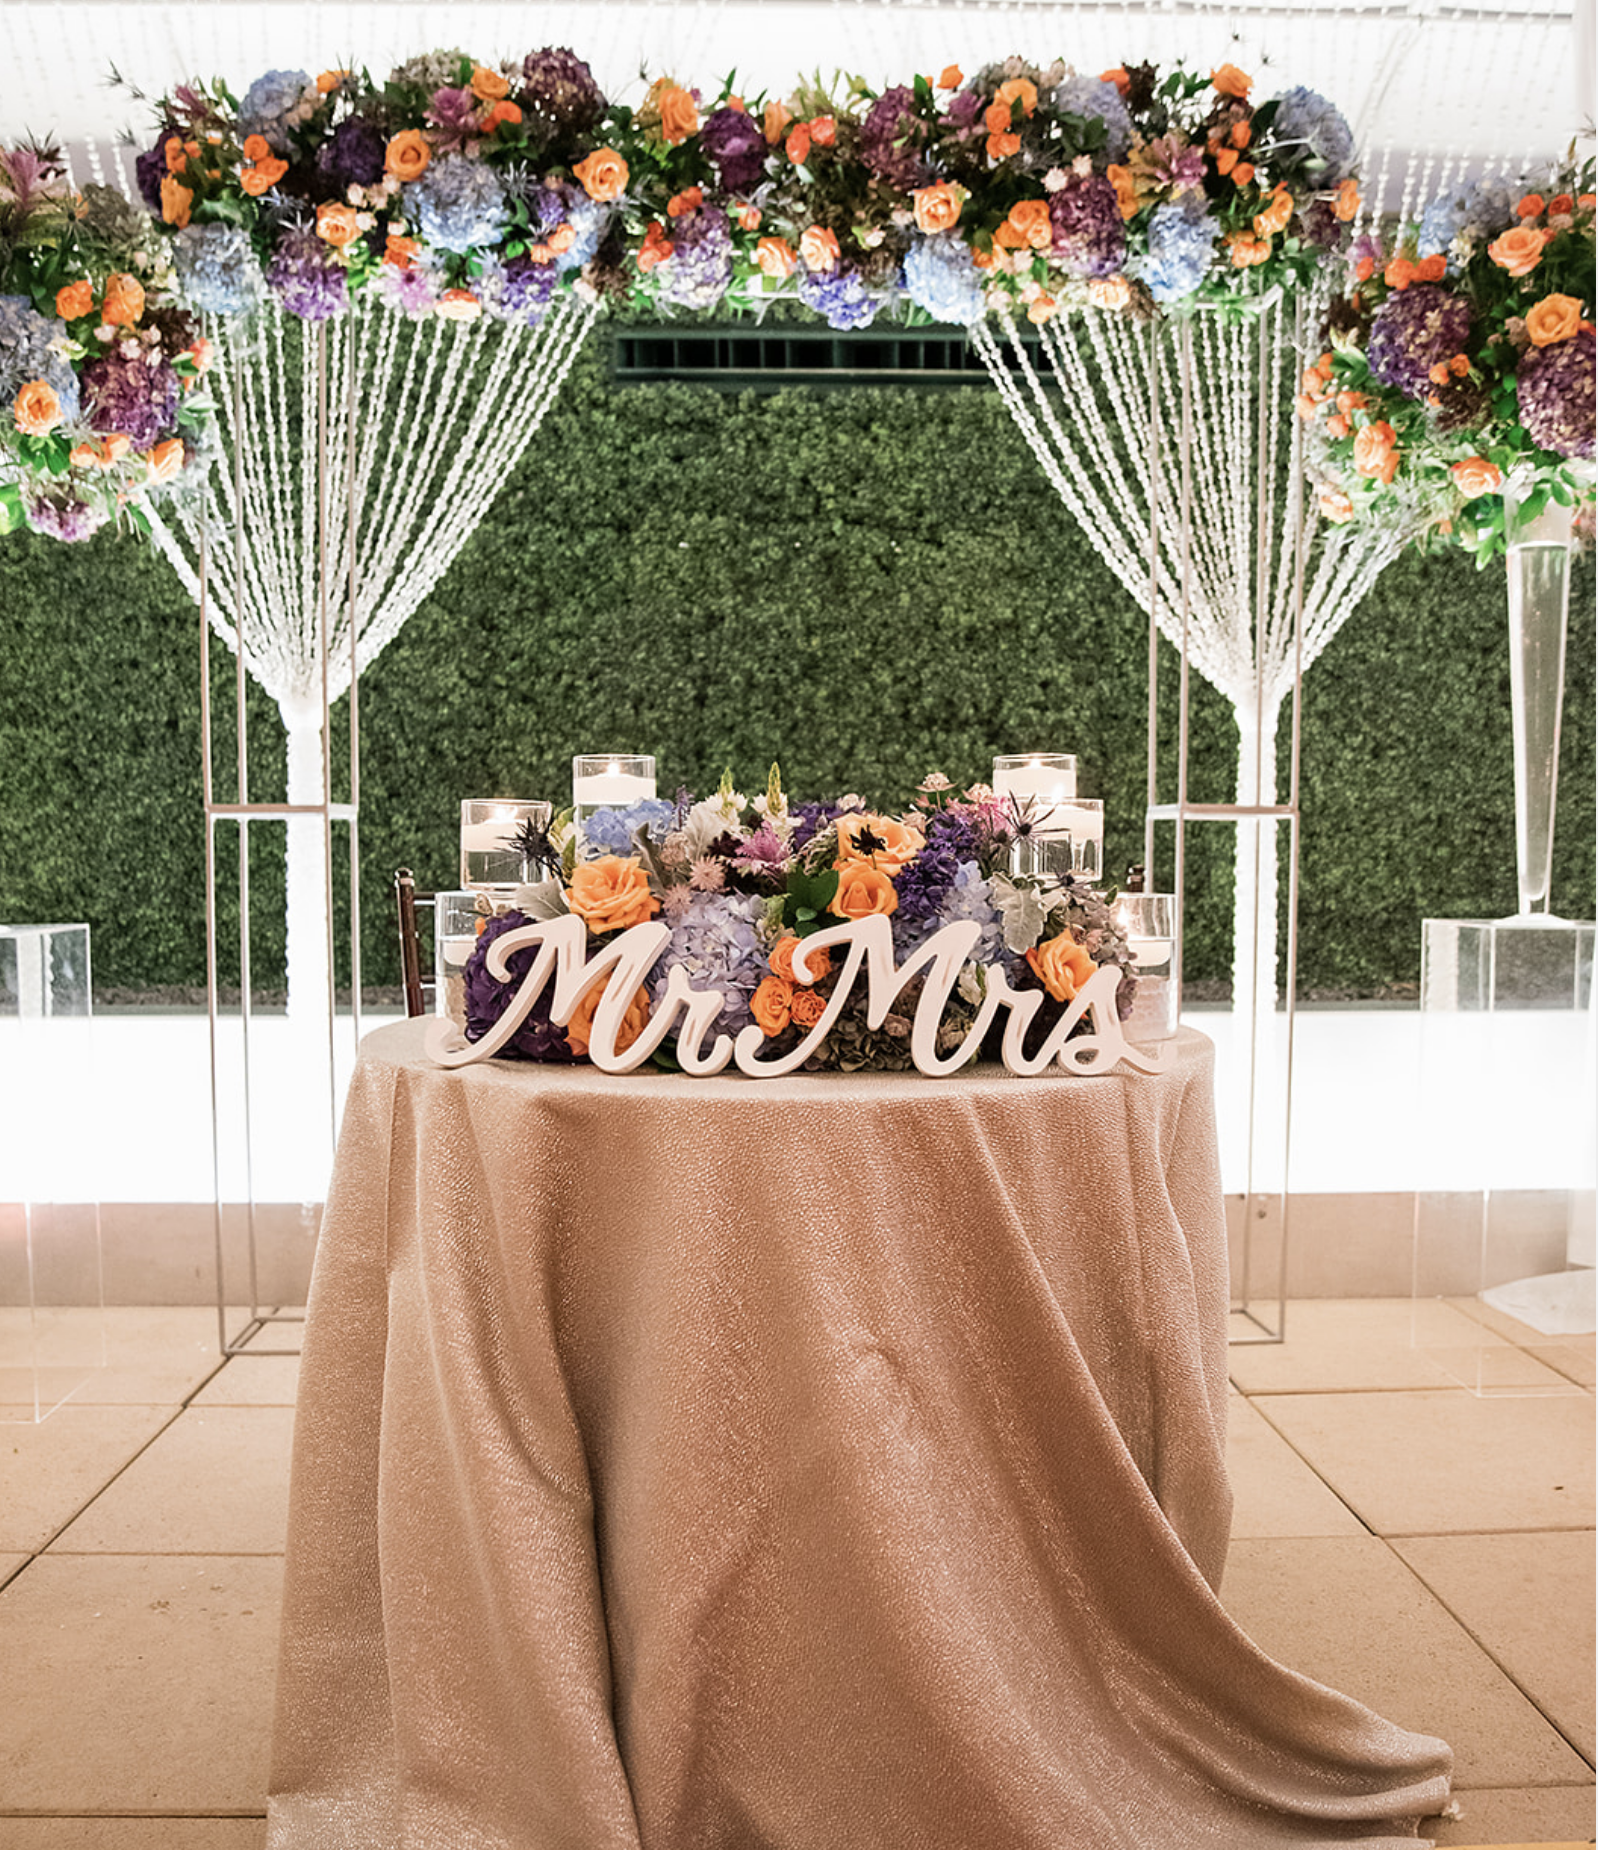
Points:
996	118
1530	206
951	77
329	81
781	961
562	238
775	257
1242	173
165	460
1336	506
1278	210
1230	81
1431	269
257	148
1347	202
806	1008
1041	308
401	252
263	176
407	155
1109	292
73	300
748	218
1247	251
1018	90
458	305
681	204
500	114
771	1004
176	199
1030	218
1125	189
488	85
603	174
818	248
611	893
1518	251
1062	965
124	300
1001	147
1554	318
580	1029
824	131
36	409
1475	475
335	225
901	843
863	891
679	114
1375	451
938	207
774	123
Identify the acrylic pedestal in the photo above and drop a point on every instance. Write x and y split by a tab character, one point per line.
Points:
49	1209
1507	1120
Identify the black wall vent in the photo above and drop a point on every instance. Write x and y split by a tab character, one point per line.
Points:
742	358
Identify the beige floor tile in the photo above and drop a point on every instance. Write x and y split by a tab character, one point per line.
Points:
1337	1344
1274	1492
215	1482
1424	1463
1348	1612
149	1685
1573	1356
132	1833
49	1471
1536	1815
252	1381
153	1354
12	1564
1529	1600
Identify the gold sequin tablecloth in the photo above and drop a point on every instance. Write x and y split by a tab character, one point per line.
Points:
825	1463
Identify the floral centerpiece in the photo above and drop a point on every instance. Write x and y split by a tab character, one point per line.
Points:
742	884
1462	354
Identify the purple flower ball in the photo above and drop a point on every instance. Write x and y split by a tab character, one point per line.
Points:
1555	388
135	394
734	142
352	155
149	170
839	296
890	139
701	262
1089	232
487	999
964	112
64	517
558	94
1413	330
305	278
527	289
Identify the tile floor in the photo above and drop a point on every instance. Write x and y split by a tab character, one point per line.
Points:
1422	1547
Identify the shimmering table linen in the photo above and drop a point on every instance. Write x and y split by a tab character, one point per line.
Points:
829	1463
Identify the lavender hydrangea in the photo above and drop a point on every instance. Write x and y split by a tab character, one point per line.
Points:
1089	232
940	277
306	278
1181	236
526	290
922	886
1555	388
135	393
25	337
217	268
267	104
736	146
610	831
969	897
809	819
352	155
487	998
1312	133
1092	96
1413	330
458	203
62	516
839	296
890	139
559	95
413	291
700	267
714	938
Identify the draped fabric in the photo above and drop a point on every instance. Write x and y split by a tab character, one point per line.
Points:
784	1465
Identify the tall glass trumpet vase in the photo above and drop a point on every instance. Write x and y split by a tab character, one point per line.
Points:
1539	607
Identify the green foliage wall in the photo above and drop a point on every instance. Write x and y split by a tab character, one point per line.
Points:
866	584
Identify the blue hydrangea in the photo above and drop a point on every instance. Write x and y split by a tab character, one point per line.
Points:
266	105
25	337
971	897
588	218
217	268
1180	239
1478	211
839	296
458	204
610	831
1092	96
940	277
714	939
1312	131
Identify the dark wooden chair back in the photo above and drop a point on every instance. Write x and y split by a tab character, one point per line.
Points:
418	989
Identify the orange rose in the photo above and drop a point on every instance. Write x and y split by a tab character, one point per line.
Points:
775	258
655	249
257	148
1230	81
124	300
863	891
1119	78
1365	269
1225	159
611	893
1041	308
1247	251
806	1008
1351	401
580	1029
262	177
603	174
562	238
401	252
1062	965
824	131
1530	206
1336	506
407	155
748	218
680	204
1125	189
1518	251
1242	135
679	115
74	300
1347	201
771	1005
176	200
818	248
1001	147
1375	452
488	85
1554	318
329	81
1242	173
781	961
165	460
938	207
37	409
1018	90
797	146
1399	274
1338	426
899	843
951	77
1560	204
1278	210
335	225
1109	292
104	454
1475	475
1030	218
458	305
774	123
500	114
996	118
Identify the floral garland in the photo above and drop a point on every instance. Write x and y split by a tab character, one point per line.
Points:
742	884
1462	354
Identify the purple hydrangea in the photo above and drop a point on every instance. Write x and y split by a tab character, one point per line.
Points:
1413	330
1089	232
964	113
1092	96
1181	236
558	94
413	291
217	268
458	204
891	137
136	394
149	170
922	885
1313	136
352	155
487	998
1555	388
25	337
839	296
453	113
61	516
714	939
526	290
700	266
940	277
735	144
267	103
809	819
306	278
610	831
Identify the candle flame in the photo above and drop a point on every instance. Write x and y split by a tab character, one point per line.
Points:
613	769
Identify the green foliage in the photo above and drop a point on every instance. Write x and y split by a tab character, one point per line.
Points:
865	585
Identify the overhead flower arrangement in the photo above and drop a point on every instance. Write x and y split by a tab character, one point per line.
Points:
1461	354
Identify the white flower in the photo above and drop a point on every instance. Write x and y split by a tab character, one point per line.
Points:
708	819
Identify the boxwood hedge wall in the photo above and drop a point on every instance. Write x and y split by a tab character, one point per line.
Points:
865	584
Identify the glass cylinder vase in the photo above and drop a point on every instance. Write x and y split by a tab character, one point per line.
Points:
1539	603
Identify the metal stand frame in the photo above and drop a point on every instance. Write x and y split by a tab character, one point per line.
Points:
243	812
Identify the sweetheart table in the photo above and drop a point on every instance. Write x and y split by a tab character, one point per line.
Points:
795	1464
